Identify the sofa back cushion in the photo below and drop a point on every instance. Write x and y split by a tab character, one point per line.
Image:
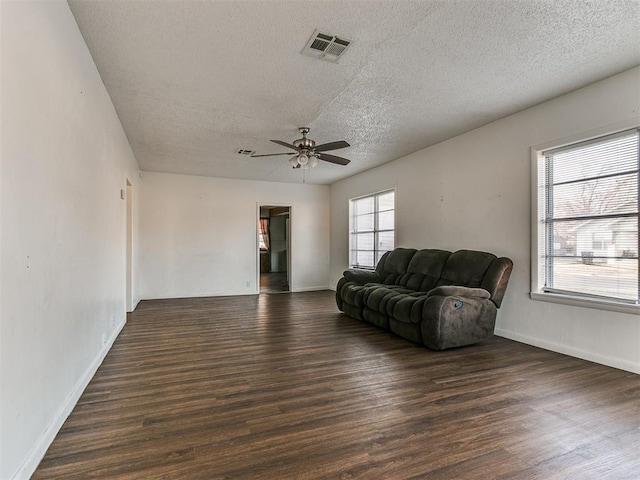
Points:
380	266
395	264
466	268
424	270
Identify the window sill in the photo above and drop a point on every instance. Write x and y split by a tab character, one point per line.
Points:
577	301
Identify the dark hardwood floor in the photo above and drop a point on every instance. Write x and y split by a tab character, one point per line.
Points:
286	387
274	282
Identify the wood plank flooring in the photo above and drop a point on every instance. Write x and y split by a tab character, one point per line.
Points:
286	387
273	282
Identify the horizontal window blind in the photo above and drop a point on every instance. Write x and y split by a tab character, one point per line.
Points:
372	229
591	218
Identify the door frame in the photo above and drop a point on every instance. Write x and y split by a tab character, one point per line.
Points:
128	198
290	273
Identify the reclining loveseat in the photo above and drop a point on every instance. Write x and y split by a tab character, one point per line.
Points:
431	297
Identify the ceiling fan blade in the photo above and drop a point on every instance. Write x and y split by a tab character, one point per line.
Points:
272	154
331	146
333	159
284	144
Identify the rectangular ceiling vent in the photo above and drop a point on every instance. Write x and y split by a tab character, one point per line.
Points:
326	46
243	151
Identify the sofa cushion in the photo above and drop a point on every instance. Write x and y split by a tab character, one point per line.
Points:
372	287
362	276
382	261
410	331
396	264
466	268
352	311
377	297
352	293
408	308
424	270
379	319
392	301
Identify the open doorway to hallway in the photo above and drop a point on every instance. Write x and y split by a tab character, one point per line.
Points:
274	244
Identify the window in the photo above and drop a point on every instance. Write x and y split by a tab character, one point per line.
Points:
263	234
261	241
372	228
587	219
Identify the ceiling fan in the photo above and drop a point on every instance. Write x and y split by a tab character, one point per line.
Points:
307	153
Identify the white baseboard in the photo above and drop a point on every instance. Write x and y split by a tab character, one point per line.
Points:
199	295
614	362
32	461
234	294
136	302
309	289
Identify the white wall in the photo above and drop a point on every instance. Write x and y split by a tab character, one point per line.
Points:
473	191
64	159
198	235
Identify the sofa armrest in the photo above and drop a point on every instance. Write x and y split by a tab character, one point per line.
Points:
456	320
456	291
362	276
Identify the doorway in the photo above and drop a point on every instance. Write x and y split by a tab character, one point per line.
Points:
274	249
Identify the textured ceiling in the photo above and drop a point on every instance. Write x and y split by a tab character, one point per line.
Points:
194	81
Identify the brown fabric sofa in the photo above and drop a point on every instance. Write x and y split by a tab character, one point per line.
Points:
431	297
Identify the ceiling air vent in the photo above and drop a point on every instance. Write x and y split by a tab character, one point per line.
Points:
326	46
244	151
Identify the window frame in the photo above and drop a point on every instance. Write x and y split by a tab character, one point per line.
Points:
538	199
375	230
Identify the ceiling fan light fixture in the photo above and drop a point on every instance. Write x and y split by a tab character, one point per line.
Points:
308	153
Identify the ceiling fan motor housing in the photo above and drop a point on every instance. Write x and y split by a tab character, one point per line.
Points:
304	142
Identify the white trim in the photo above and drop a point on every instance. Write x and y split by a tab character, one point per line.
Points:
32	461
129	246
537	233
310	289
586	302
201	295
136	302
536	281
611	129
633	367
257	250
384	190
290	249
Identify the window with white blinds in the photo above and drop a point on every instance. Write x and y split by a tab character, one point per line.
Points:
589	221
372	227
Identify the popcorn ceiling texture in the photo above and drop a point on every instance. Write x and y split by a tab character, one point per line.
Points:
195	81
